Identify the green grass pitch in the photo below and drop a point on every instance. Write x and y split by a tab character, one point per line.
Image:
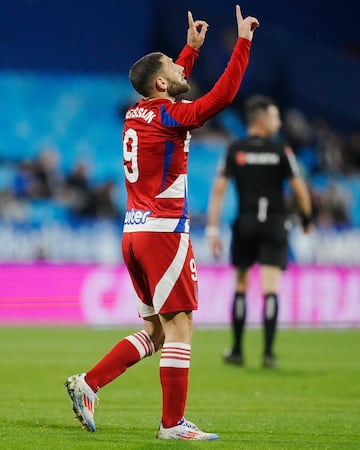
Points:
311	401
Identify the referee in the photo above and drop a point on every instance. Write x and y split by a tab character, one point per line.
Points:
258	165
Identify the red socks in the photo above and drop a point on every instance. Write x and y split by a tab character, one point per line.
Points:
174	371
174	374
127	352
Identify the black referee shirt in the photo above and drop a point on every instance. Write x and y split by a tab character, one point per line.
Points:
259	168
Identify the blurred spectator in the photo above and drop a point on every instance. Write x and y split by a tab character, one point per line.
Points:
24	180
330	147
12	209
42	179
104	204
77	193
300	135
331	206
85	200
48	177
338	200
297	130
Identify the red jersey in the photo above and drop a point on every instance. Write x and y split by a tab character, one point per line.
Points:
156	140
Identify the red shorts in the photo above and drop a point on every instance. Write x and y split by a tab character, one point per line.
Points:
163	271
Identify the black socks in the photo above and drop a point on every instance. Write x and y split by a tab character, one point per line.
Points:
238	321
270	321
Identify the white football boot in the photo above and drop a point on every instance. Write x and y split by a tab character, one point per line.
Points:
185	430
83	400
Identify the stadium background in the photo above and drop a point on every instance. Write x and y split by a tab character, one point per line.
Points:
63	90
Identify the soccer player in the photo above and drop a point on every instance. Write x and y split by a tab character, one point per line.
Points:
258	165
156	245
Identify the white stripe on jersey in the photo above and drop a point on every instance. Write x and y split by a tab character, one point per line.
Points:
175	354
170	277
156	224
177	189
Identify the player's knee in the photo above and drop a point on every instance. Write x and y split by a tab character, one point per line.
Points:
158	340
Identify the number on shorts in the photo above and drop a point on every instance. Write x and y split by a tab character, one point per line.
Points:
193	270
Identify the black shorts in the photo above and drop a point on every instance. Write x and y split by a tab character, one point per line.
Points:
255	242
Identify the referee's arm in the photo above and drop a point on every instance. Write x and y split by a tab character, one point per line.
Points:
212	229
303	201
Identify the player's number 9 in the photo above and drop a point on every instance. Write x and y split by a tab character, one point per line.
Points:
130	150
193	270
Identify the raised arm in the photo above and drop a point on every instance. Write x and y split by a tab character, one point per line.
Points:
195	39
226	88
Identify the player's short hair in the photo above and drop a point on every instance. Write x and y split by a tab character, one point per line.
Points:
256	105
143	72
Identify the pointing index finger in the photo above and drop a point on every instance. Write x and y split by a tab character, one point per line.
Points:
238	13
190	19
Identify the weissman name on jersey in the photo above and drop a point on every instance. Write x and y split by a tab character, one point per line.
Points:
141	113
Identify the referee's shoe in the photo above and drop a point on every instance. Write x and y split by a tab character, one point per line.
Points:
270	362
233	358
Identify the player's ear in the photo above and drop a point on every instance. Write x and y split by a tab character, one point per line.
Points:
161	84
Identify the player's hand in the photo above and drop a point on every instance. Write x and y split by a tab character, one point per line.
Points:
196	32
215	246
247	26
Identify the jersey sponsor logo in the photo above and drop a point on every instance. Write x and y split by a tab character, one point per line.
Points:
241	158
140	113
160	225
262	159
136	216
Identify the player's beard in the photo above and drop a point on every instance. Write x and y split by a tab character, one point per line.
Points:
175	89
